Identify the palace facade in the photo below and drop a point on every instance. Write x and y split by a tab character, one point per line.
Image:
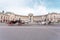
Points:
53	17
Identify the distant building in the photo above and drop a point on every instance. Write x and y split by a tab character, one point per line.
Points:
8	16
3	17
54	17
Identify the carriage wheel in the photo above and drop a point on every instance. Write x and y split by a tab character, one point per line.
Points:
10	24
19	24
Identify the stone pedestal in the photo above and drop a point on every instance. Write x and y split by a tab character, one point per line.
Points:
31	18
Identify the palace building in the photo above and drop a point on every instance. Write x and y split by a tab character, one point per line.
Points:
53	17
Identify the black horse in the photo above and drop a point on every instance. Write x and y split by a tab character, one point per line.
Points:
17	21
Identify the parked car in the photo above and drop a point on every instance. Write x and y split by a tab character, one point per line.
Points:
46	22
43	22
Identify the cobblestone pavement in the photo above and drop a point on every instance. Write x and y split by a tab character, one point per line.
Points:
30	32
29	25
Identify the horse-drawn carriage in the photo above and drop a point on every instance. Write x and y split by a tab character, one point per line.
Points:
18	22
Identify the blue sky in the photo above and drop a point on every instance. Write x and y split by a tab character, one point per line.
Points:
24	7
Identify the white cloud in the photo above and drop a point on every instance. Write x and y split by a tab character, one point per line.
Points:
19	7
23	7
39	10
20	10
